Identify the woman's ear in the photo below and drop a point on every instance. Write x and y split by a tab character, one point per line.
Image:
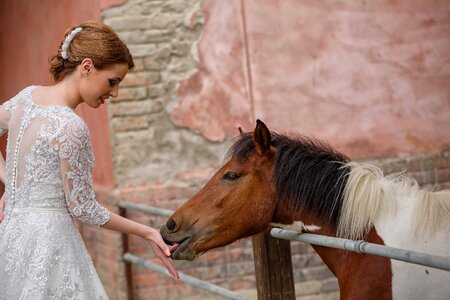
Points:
86	67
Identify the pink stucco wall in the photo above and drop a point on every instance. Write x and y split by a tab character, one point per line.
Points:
371	78
30	31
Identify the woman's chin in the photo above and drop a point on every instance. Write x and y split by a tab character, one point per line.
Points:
94	104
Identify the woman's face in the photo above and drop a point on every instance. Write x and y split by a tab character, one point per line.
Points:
99	85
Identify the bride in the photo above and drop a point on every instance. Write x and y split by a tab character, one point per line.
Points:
47	174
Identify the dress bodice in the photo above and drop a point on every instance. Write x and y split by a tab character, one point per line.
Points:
49	160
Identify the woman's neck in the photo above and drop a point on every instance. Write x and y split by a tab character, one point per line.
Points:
63	93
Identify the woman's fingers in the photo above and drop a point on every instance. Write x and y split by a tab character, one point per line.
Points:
157	239
165	260
162	251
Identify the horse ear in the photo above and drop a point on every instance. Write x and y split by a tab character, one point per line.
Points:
261	138
241	132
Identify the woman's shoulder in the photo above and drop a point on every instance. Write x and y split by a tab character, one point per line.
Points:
22	96
75	124
25	92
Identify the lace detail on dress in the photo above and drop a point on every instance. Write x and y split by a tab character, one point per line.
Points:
67	290
48	179
11	104
75	151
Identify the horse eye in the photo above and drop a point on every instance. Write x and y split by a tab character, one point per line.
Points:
231	176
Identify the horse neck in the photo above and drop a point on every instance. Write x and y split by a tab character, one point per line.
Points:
353	269
316	201
343	264
309	223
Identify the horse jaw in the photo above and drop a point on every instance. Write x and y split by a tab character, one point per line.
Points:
189	243
184	251
182	244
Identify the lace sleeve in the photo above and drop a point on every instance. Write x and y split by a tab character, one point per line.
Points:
5	114
4	120
9	107
77	162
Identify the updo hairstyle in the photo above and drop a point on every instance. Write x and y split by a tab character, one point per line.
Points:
95	41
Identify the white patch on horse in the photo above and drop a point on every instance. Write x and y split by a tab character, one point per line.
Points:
298	226
410	281
404	217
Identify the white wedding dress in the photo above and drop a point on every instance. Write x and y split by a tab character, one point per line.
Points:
48	184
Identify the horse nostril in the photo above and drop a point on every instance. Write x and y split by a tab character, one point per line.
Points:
171	224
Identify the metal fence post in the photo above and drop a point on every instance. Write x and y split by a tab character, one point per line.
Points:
273	267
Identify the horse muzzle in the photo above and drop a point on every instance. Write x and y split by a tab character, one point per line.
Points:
182	245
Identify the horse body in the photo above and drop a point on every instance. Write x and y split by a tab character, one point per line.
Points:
271	178
372	277
410	281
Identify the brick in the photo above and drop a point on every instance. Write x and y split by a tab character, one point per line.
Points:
318	272
155	91
130	93
181	48
308	287
141	79
330	284
147	36
242	282
180	66
138	136
323	296
152	64
142	50
142	280
175	6
132	108
138	64
120	23
130	123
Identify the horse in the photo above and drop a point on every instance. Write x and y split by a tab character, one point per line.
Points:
301	183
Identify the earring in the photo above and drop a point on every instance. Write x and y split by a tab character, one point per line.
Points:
85	75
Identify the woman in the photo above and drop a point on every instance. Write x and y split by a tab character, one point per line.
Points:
47	174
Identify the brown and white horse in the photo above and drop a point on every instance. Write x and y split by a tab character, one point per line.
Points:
302	183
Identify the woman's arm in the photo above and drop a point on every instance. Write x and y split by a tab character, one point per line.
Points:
151	235
2	169
76	162
2	179
2	207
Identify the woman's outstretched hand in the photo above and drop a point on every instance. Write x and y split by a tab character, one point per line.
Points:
162	251
2	206
151	235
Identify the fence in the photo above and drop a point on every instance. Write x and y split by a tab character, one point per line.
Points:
132	259
267	248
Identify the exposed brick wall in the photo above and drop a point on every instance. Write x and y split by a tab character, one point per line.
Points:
147	147
232	266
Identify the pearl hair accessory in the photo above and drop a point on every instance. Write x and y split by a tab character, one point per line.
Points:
67	41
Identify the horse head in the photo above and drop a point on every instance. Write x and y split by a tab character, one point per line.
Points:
238	201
